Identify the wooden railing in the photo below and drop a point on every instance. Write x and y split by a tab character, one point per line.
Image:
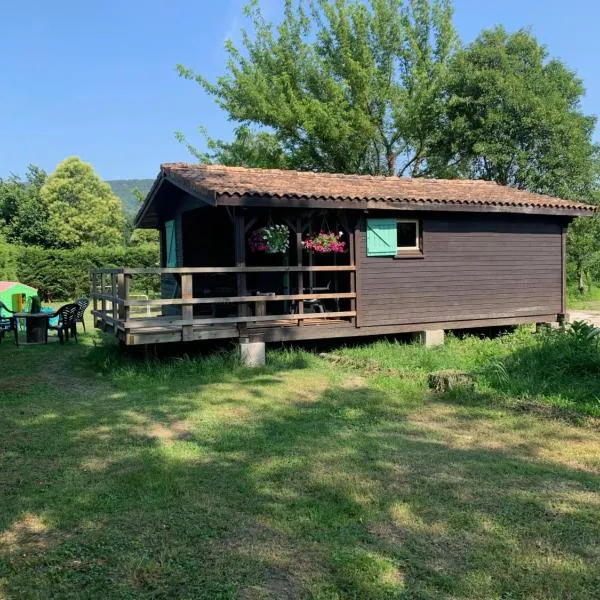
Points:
113	304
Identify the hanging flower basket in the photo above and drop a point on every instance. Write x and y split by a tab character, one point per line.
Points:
273	239
325	242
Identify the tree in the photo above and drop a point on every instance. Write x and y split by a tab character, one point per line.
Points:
514	117
23	217
339	85
30	225
583	241
82	208
249	149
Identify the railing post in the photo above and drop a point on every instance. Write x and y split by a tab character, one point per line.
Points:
300	277
240	260
103	299
123	284
351	253
94	295
114	301
187	312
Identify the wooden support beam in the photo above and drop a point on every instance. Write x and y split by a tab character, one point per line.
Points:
351	254
356	264
115	304
239	234
94	291
187	312
121	294
104	296
300	275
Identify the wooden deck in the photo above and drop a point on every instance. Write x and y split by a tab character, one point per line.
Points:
138	321
115	309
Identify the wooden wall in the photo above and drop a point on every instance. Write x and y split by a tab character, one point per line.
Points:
473	267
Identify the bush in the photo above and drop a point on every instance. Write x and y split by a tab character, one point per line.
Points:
65	274
8	261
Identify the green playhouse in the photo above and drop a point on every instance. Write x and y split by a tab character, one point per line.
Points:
16	296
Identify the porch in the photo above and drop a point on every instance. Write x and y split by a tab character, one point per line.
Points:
187	312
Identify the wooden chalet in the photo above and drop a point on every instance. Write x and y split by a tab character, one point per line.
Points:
418	255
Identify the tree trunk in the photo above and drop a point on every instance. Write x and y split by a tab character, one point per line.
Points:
391	164
580	278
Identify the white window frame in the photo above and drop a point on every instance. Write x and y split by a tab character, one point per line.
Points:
417	246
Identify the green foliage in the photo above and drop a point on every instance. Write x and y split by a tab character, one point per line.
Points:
514	117
248	149
583	333
82	208
140	237
131	192
583	246
550	370
339	86
23	217
62	274
8	261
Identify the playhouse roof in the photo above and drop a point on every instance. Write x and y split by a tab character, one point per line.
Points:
6	285
237	186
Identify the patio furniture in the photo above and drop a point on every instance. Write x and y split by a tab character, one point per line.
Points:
312	305
67	322
82	303
8	322
36	326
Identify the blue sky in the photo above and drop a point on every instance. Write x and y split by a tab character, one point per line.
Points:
97	79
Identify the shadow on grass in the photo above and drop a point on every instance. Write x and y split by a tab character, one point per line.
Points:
240	484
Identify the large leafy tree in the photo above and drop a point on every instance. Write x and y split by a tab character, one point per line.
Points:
338	85
515	117
23	217
82	208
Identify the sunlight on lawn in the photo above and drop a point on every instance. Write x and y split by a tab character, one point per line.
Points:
195	478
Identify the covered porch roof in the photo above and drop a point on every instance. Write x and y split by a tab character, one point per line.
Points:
217	185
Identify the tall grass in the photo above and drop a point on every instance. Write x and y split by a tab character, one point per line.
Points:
553	367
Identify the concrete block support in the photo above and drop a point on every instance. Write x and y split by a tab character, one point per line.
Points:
252	352
432	337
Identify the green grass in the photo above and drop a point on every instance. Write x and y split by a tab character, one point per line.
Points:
197	478
590	300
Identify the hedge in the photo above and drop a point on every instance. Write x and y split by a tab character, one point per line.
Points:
8	262
65	274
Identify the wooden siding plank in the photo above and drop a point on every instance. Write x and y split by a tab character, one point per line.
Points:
473	267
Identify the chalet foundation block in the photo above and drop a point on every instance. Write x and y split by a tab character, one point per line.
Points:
252	352
432	337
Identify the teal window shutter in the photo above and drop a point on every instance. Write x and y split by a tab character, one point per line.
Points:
170	244
381	237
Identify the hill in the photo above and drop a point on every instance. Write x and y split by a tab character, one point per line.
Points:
123	188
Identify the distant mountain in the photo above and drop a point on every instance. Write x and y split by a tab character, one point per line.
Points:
124	189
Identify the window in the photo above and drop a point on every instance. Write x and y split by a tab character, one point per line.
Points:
400	238
408	236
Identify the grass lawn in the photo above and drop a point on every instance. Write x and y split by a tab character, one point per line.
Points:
588	301
196	478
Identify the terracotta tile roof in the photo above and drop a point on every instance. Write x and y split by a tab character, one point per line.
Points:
223	185
239	181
